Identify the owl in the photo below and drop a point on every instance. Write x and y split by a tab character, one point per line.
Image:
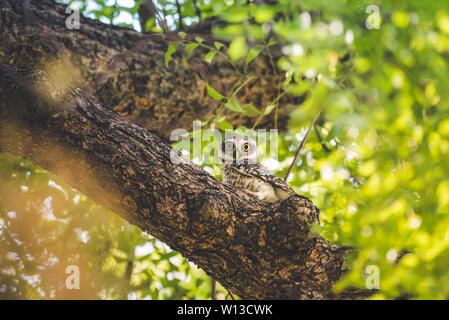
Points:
239	168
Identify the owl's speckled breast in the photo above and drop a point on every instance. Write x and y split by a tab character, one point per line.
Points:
258	188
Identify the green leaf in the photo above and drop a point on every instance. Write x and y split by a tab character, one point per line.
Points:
224	125
263	14
108	12
188	52
272	42
214	93
237	49
268	109
233	105
210	56
253	53
247	109
199	39
218	45
299	88
182	34
126	25
235	14
150	23
171	49
250	110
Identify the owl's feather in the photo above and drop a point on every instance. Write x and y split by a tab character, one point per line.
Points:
257	180
260	171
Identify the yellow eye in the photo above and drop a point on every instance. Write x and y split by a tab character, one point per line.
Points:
246	147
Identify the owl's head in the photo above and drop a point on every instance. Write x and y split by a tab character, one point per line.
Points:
238	149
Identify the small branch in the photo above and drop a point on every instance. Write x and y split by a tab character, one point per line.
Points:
224	56
301	146
128	273
214	289
312	124
320	139
197	9
229	295
181	26
164	20
342	80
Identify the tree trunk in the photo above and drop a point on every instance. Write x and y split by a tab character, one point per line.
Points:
256	249
126	70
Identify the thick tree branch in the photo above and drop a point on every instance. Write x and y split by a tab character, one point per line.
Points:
126	70
255	249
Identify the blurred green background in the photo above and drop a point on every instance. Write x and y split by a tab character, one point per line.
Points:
376	163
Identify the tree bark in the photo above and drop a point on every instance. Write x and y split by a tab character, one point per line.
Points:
256	249
126	70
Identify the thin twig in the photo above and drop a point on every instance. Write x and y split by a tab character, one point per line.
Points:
214	289
267	47
340	82
222	55
312	124
165	25
181	26
301	146
197	9
320	139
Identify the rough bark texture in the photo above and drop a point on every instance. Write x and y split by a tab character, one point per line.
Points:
256	249
126	70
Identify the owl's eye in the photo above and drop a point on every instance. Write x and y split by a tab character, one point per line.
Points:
246	147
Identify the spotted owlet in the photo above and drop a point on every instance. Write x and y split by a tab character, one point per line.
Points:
239	168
